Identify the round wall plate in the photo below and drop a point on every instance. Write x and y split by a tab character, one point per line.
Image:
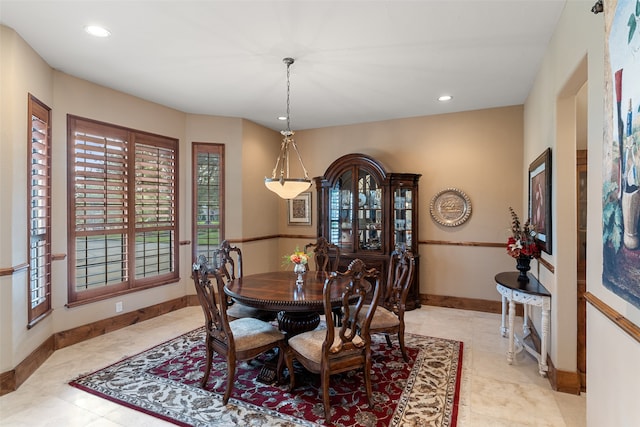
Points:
450	207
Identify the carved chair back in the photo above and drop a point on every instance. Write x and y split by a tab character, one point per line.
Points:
326	256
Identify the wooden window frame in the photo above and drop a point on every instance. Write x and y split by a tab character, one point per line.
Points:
38	211
123	210
213	149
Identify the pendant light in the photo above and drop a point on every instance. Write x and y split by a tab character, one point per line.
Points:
280	182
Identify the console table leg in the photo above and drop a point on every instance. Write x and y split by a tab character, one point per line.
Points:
526	329
503	328
512	318
542	362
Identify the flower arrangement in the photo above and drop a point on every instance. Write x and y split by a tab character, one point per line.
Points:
522	241
297	257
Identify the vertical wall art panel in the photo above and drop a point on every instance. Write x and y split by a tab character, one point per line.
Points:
621	194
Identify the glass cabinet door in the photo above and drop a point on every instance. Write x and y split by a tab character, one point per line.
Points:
369	212
402	217
341	212
355	212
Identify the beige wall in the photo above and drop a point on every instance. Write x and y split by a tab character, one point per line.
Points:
576	55
479	152
22	71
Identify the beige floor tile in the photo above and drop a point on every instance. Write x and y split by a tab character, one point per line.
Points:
492	392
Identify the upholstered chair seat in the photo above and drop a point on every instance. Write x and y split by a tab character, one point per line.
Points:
250	333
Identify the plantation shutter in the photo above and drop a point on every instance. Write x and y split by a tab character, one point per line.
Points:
155	208
39	211
100	214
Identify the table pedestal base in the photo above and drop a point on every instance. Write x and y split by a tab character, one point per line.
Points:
293	323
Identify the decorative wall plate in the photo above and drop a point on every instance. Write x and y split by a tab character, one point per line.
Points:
450	207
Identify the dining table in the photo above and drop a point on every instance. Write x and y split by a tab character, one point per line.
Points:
298	304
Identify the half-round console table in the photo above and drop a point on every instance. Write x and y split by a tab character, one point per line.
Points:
528	293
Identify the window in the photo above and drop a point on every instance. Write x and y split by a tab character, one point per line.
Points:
123	209
208	198
39	211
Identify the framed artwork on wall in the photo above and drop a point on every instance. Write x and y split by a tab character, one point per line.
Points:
299	209
540	199
621	157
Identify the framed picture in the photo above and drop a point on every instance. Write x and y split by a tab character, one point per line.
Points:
540	199
300	209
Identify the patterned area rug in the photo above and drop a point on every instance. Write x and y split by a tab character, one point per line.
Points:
163	382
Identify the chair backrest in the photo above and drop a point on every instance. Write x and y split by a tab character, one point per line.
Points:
399	277
326	256
358	284
229	258
216	321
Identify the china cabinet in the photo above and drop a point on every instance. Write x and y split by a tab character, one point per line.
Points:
368	212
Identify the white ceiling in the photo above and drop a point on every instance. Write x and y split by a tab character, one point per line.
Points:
356	60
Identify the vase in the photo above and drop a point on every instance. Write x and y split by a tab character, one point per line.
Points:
299	269
523	264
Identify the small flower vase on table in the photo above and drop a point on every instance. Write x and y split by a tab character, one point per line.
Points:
522	245
523	264
299	269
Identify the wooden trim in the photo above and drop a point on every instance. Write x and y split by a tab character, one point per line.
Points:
273	236
58	257
101	327
563	381
452	243
461	303
546	264
618	319
11	270
11	380
7	382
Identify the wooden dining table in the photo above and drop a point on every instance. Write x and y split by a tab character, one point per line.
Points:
298	307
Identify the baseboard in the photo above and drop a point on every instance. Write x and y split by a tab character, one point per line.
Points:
11	380
564	381
486	306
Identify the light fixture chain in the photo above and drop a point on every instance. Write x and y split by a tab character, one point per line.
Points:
288	97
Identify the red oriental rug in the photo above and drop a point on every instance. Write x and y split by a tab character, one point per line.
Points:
163	382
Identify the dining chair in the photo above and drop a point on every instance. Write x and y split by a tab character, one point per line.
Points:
326	256
337	349
229	258
240	339
389	316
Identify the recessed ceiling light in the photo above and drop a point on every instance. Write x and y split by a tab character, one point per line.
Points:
282	118
97	31
445	98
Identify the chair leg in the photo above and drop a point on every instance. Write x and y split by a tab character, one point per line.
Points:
367	379
325	396
207	371
231	373
337	317
389	344
402	348
289	360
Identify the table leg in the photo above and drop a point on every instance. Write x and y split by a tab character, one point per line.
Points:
542	362
503	328
526	329
293	323
512	319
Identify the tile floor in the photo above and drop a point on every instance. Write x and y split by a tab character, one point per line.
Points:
493	393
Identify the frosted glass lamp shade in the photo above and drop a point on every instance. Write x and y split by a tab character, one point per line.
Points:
287	188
